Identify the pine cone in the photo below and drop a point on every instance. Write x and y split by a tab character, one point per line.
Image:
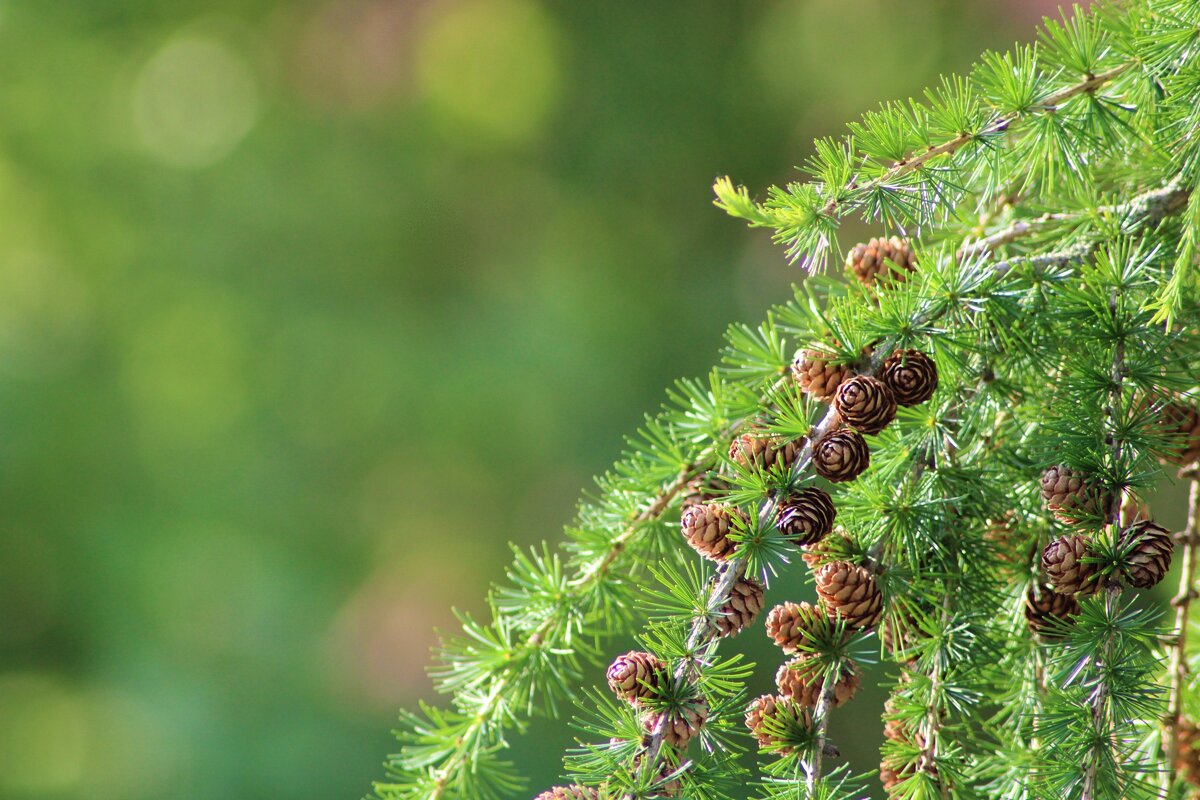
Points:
897	731
756	450
807	516
911	375
1187	760
865	404
817	375
841	456
682	723
786	623
572	792
707	529
1181	420
849	592
802	680
1068	494
1062	561
1043	605
635	676
1147	563
835	547
892	773
705	488
881	260
744	603
766	715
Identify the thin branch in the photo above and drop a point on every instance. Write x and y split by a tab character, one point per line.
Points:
821	721
1178	668
999	125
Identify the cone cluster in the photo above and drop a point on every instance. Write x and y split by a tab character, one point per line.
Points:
803	680
881	260
638	678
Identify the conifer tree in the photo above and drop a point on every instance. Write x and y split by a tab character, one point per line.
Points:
954	447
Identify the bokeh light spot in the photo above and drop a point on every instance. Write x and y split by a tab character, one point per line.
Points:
193	102
43	735
491	69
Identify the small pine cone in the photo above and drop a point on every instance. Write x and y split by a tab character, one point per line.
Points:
851	593
787	622
707	528
1043	605
742	607
1181	420
774	712
635	675
572	792
880	260
911	375
751	450
807	516
1187	760
817	375
1068	494
703	489
681	723
835	547
1068	573
802	680
865	404
897	731
1147	563
841	456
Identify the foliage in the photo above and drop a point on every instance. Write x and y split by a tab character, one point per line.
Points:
1050	197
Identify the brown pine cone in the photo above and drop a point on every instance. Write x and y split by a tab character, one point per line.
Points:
802	680
1181	420
767	714
851	593
807	516
835	547
911	375
572	792
1043	605
892	773
1187	760
786	623
865	404
635	676
681	723
1068	494
1062	561
897	731
744	603
1150	557
841	455
705	488
707	528
754	450
881	260
817	375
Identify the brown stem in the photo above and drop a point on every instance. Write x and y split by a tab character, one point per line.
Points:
1178	668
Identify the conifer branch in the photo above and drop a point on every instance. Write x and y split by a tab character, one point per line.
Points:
1001	124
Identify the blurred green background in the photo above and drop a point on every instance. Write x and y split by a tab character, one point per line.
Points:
307	308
